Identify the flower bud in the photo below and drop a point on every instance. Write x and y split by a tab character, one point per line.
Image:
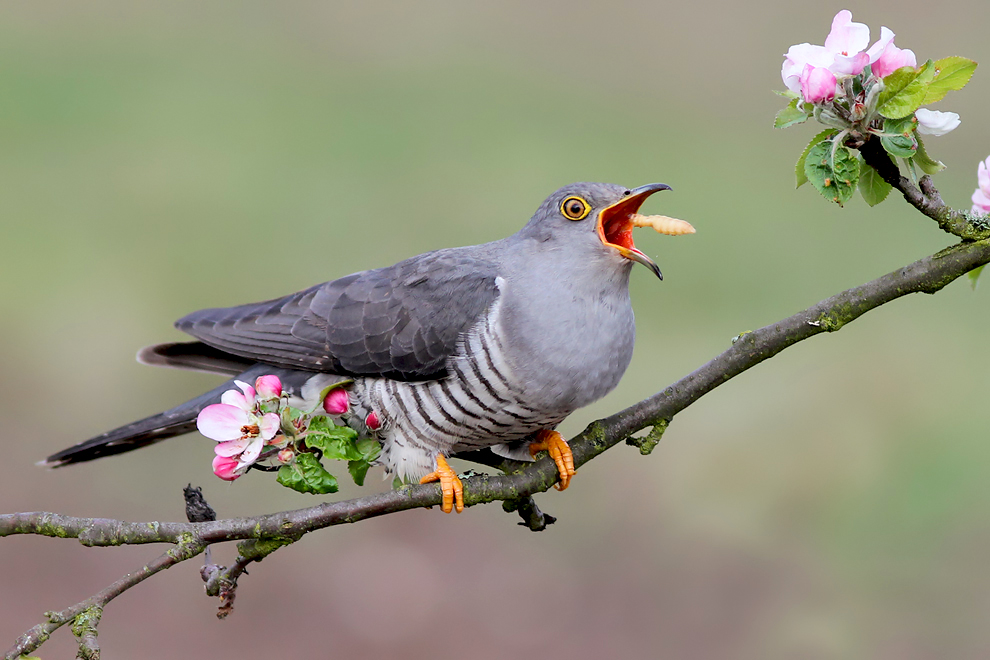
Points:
286	455
817	84
336	402
268	387
372	421
225	467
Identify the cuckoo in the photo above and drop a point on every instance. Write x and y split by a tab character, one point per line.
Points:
455	350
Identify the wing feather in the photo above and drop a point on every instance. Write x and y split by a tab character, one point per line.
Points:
401	322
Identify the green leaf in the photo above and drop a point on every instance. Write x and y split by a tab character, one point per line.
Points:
899	138
799	167
872	186
787	94
358	470
974	276
307	475
369	449
834	175
894	83
908	98
927	164
790	115
951	73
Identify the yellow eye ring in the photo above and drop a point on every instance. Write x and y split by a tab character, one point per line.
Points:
575	208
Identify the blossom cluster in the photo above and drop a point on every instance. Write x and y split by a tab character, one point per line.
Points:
981	197
256	427
819	73
864	93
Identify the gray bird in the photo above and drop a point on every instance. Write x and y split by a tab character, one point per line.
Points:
459	349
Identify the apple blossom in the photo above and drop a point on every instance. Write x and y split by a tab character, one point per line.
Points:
335	402
981	196
933	122
372	421
240	431
845	53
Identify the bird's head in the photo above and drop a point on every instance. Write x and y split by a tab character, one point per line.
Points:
602	215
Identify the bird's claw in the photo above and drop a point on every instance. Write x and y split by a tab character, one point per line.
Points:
554	444
450	485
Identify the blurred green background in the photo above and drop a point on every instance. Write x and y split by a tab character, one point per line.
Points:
156	158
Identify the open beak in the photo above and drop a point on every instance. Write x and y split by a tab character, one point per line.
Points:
616	222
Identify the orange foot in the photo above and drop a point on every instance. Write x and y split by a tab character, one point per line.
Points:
450	485
560	452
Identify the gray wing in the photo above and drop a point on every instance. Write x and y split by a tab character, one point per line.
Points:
400	322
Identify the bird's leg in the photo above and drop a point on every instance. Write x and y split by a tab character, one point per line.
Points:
554	443
450	485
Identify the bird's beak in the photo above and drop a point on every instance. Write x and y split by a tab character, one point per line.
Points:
616	222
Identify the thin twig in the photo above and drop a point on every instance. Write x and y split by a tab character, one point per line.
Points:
37	635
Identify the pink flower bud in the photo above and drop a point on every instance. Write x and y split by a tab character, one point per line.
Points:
817	84
335	402
286	455
372	422
225	467
269	387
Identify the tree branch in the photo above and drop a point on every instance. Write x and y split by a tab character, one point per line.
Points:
262	535
966	226
85	615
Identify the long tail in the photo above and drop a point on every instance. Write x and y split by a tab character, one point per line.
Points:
177	421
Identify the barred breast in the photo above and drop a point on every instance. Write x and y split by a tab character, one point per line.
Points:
479	404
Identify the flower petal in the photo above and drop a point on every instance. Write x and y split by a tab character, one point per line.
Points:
221	422
247	389
891	59
981	202
231	447
235	398
269	425
251	452
876	50
933	122
983	176
847	38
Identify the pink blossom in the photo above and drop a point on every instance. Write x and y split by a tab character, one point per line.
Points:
817	84
335	402
226	468
981	196
842	53
892	58
269	387
240	432
372	421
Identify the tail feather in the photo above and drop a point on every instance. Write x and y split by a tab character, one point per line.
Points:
177	421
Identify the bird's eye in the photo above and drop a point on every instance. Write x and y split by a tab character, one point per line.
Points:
575	208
